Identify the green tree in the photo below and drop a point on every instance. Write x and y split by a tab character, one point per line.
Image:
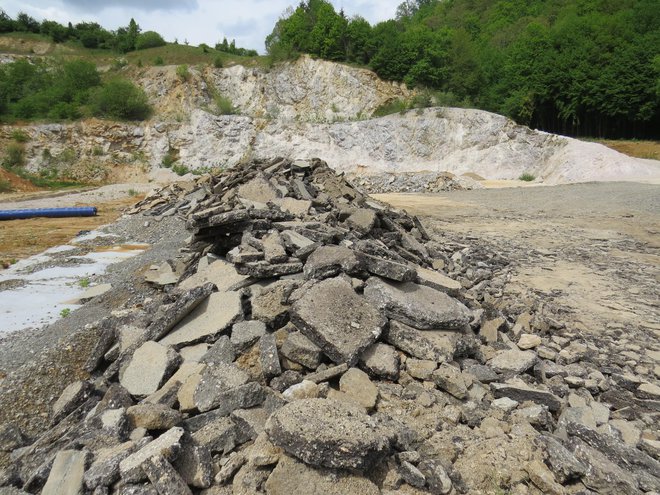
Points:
121	99
149	39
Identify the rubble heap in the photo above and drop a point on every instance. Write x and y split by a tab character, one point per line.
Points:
308	338
414	182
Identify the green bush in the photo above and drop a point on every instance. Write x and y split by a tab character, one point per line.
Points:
169	159
121	99
14	156
149	39
5	186
180	169
159	60
395	106
218	63
224	105
183	73
20	136
527	177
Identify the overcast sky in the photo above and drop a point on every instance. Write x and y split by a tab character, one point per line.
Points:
198	21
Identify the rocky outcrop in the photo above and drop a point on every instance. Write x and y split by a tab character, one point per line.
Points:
311	108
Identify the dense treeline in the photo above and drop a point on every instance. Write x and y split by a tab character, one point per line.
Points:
31	90
579	67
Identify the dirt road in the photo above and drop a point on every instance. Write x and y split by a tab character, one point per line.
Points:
593	250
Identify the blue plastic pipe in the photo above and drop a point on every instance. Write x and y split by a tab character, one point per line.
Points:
82	211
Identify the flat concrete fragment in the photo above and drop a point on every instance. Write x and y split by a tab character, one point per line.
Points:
381	360
296	207
168	445
220	352
214	315
66	475
329	261
388	269
451	380
417	305
438	281
151	365
512	361
194	464
355	384
220	273
519	391
164	477
105	469
245	334
363	220
328	433
72	396
263	269
259	189
290	475
218	436
273	246
92	292
153	416
301	350
338	320
216	380
412	341
269	357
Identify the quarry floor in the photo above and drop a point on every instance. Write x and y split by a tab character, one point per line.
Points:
591	249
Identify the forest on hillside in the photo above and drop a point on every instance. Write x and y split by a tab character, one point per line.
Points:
576	67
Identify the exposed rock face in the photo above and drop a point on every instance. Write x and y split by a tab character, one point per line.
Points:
310	108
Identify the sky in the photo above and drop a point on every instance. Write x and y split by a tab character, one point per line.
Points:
198	21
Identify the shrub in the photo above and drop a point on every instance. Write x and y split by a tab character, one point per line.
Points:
5	186
218	63
20	136
224	105
180	169
122	100
132	192
159	60
14	156
527	177
395	106
183	73
149	39
169	159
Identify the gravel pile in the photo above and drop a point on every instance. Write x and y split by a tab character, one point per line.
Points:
414	182
310	338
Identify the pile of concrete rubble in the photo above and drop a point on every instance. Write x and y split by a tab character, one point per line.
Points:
414	182
311	339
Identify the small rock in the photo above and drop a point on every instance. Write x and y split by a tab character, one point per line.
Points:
417	305
153	416
529	341
303	390
328	433
300	349
450	379
381	360
512	361
269	357
151	364
164	477
72	397
245	334
542	477
168	445
355	383
66	475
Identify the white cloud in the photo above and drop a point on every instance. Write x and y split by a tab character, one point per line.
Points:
198	21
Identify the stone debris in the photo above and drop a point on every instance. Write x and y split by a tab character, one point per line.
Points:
311	339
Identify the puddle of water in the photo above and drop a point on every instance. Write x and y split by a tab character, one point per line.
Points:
43	299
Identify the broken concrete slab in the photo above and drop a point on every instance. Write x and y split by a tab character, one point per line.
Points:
273	246
211	317
381	360
512	361
328	433
164	477
519	391
215	381
363	220
338	320
416	305
289	475
329	261
66	475
438	281
300	349
151	365
73	396
269	357
388	269
168	445
153	416
412	341
451	380
220	273
356	384
245	334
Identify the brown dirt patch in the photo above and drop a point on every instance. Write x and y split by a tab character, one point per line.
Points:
637	149
23	238
16	183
